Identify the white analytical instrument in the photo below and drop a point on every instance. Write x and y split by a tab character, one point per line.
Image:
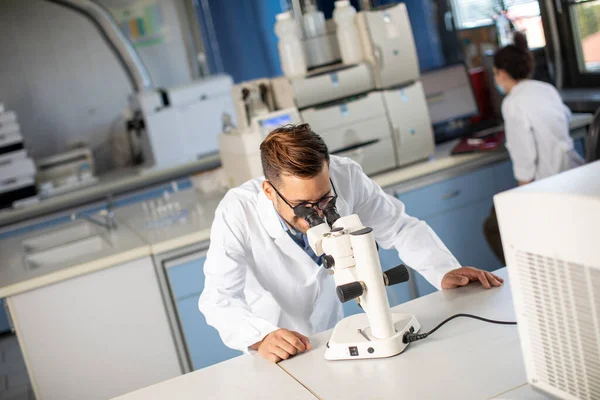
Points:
17	169
373	111
182	124
549	232
66	172
350	251
258	110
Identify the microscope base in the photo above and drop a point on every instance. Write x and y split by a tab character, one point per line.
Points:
352	338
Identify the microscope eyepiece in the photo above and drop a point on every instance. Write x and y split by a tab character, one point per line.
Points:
310	215
331	213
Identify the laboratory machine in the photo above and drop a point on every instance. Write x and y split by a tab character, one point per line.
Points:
182	124
349	250
239	147
549	231
17	169
167	127
65	172
388	45
373	111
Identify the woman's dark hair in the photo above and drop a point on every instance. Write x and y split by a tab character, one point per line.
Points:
515	59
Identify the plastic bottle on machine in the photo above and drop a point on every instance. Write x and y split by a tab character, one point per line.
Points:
291	50
344	16
313	21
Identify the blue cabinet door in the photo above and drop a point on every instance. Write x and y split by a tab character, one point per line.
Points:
461	230
186	279
203	341
4	324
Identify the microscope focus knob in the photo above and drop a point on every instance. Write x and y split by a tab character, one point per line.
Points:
328	261
396	275
349	291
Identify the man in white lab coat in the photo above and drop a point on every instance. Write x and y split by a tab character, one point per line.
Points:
265	290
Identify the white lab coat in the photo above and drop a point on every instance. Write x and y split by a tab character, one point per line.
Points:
258	279
536	122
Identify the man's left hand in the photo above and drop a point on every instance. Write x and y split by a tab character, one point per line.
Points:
462	277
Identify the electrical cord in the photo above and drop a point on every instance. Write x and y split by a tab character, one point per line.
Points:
410	337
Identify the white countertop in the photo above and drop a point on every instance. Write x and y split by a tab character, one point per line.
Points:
243	377
110	184
17	276
134	239
524	392
465	359
443	161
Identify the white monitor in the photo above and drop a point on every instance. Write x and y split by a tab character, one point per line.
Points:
449	94
550	232
266	123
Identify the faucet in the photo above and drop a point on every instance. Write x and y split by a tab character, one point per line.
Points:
109	222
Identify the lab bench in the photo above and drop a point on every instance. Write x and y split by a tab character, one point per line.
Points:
467	359
453	194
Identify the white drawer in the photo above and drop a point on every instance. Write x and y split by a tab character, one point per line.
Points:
329	86
349	112
361	132
375	157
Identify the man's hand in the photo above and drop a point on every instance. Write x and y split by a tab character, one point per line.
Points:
462	276
281	345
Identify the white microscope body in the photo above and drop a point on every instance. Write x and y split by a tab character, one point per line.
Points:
351	252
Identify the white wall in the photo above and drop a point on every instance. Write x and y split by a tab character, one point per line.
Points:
63	81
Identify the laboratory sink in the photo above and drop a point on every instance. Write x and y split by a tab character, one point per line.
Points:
75	231
62	254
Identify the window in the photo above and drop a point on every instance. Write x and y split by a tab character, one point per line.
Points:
585	22
524	14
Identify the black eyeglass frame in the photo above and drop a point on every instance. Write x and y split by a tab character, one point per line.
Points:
306	204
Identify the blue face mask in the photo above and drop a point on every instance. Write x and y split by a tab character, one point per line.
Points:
500	89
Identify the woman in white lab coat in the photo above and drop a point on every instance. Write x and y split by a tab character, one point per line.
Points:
536	124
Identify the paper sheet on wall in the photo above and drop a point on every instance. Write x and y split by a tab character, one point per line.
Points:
140	20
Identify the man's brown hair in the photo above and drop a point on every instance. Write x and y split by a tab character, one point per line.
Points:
293	150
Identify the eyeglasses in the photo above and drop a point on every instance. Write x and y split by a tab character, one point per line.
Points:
320	204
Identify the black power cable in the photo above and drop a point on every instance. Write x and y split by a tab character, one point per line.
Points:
413	337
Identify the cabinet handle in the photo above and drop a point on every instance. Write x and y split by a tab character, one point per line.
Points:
451	195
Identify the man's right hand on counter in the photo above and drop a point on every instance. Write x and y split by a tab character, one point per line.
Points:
281	345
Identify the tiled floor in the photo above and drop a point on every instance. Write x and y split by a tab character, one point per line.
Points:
14	382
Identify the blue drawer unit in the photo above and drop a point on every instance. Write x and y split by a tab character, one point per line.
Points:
204	344
185	271
4	324
504	178
580	147
186	274
449	194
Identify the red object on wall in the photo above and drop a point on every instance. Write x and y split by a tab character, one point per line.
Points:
482	95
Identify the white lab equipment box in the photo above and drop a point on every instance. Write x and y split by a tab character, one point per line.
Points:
356	128
7	117
183	123
332	84
240	156
11	141
10	128
411	125
388	45
550	231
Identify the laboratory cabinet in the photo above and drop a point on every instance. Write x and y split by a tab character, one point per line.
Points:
4	322
456	209
105	333
200	343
